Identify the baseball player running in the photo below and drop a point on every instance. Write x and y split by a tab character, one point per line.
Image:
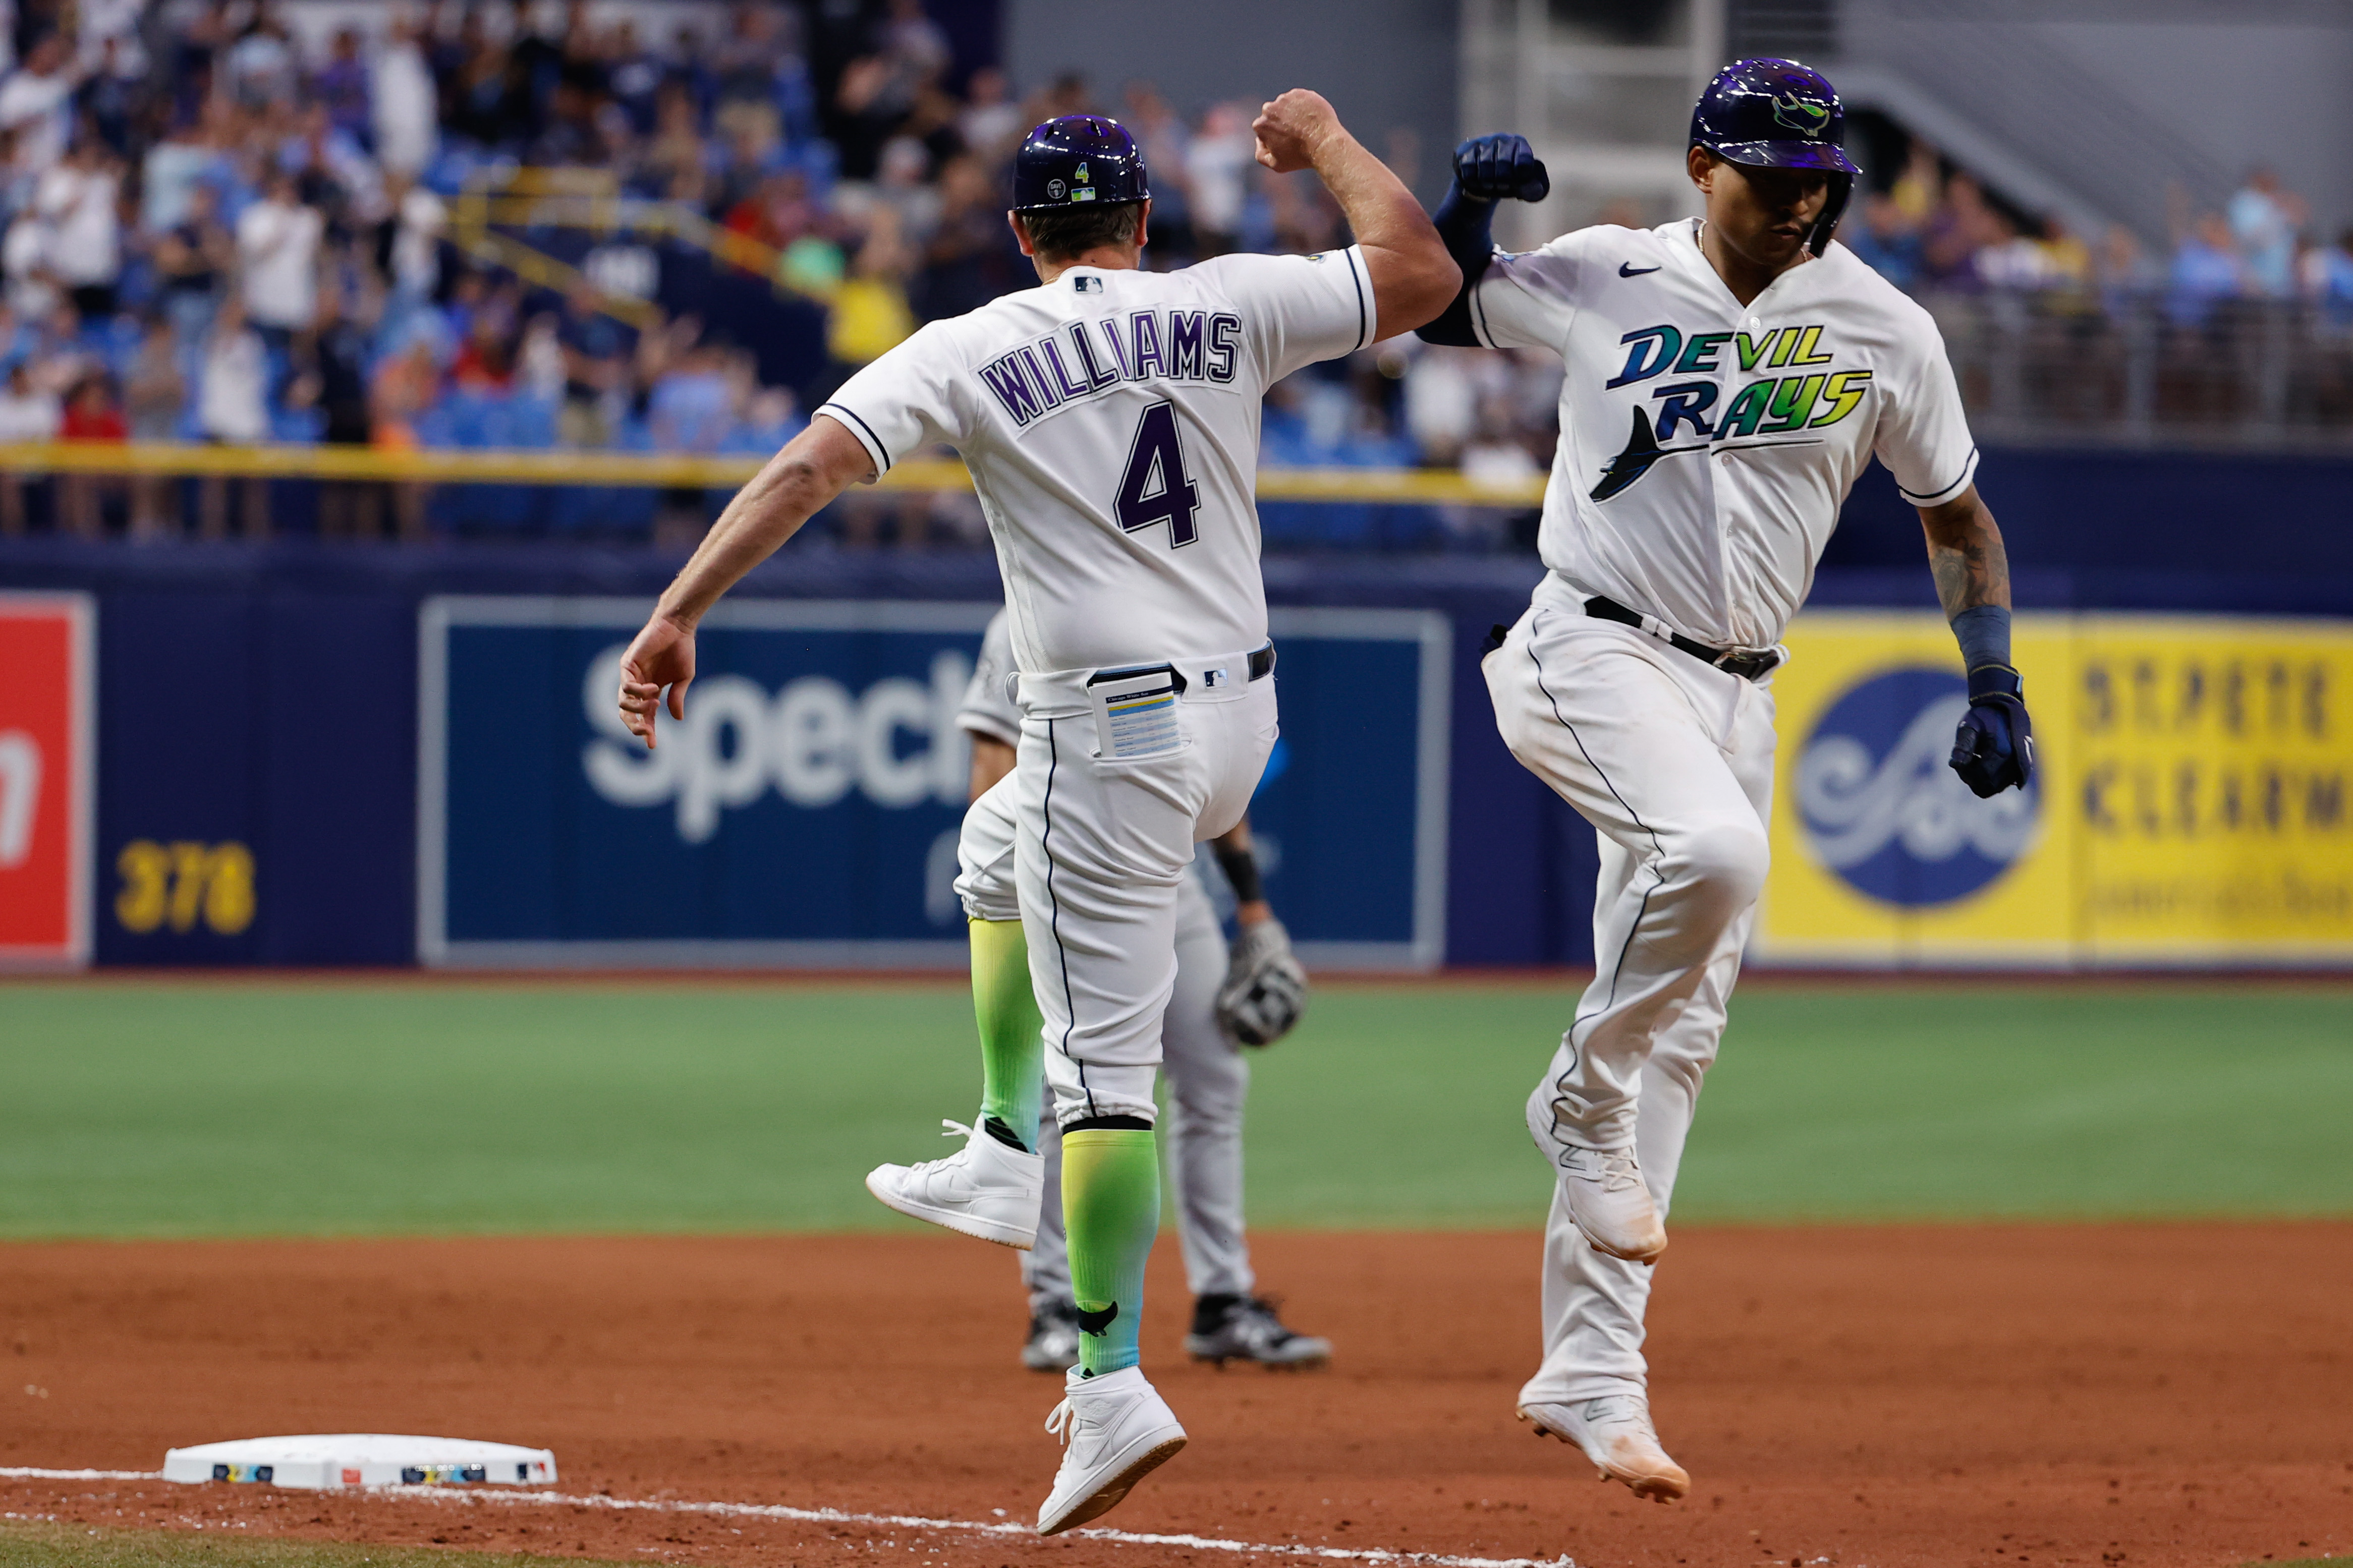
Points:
1727	379
1110	418
1253	996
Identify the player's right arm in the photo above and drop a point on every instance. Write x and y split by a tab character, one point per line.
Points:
798	482
1413	277
1487	170
1506	302
904	401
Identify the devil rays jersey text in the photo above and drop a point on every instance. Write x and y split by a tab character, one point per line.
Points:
1705	446
1111	421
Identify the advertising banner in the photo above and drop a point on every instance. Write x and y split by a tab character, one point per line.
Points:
48	736
2189	808
806	812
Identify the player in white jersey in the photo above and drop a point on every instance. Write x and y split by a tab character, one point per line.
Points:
1110	417
1728	380
1223	999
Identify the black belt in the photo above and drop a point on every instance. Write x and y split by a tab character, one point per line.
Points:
1262	663
1747	666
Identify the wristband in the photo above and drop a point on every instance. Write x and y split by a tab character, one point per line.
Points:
1241	867
1983	631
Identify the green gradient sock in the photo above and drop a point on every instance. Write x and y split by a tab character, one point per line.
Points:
1012	1054
1111	1209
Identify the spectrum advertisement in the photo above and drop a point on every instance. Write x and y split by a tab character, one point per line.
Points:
2189	806
806	812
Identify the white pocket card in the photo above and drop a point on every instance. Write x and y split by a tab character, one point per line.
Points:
1136	712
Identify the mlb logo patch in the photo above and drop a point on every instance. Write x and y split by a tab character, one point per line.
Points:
1086	285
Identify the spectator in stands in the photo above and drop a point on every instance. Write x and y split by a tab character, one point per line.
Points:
634	74
262	67
91	415
79	201
1216	164
2205	270
35	107
406	103
1888	240
155	397
2123	271
2264	223
991	124
108	97
972	257
192	258
108	33
278	257
32	281
341	87
2326	275
1165	143
871	315
485	364
337	365
27	412
232	407
595	354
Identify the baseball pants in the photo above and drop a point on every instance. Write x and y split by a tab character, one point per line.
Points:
1671	761
1208	1076
1102	847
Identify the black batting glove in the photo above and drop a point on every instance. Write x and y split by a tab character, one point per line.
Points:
1492	168
1994	747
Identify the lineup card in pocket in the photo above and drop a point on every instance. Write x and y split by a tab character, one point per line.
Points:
1136	712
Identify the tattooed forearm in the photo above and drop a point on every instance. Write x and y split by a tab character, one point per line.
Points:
1965	553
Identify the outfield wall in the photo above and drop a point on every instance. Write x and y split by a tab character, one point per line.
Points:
254	718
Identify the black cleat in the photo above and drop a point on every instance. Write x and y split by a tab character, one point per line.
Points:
1244	1328
1053	1339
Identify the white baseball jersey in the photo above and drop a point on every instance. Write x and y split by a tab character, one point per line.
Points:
1705	446
1111	421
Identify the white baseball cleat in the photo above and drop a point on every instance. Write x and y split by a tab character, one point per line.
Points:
1606	1195
1616	1434
987	1189
1116	1429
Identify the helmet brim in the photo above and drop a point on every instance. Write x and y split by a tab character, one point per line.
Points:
1786	155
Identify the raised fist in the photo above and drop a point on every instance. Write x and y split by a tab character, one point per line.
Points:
1491	168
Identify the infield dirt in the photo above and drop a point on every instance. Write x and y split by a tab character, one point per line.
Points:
2127	1394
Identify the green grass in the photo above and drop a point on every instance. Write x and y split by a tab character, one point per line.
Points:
164	1109
50	1545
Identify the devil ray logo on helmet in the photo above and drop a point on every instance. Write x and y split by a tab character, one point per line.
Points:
1800	115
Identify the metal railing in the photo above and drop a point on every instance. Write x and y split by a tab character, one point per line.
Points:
2057	368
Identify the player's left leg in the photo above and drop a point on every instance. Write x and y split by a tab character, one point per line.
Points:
1207	1077
993	1186
1105	843
1592	1388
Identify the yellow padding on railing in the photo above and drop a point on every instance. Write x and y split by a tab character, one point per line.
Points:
1412	486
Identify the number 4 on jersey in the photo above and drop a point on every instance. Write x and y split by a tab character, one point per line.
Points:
1155	488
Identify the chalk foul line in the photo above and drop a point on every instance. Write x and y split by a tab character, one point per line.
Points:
514	1497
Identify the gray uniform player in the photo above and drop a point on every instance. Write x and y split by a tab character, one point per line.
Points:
1258	989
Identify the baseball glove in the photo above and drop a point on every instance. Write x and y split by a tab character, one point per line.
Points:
1265	990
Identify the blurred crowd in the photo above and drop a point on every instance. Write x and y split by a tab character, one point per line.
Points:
1938	229
235	221
245	220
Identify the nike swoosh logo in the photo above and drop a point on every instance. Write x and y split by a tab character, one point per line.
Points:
1627	269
